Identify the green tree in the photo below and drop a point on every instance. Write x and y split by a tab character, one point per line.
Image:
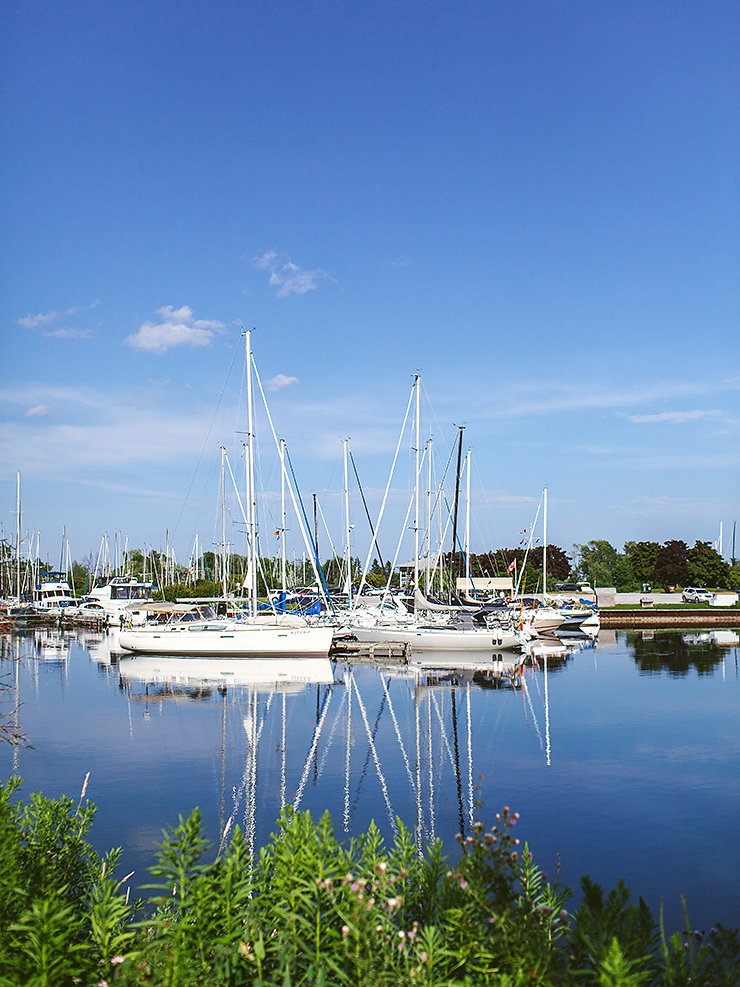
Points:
624	576
642	555
596	562
707	567
377	576
672	564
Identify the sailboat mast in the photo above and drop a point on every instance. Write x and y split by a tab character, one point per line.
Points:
250	473
347	529
429	516
544	546
417	441
467	521
18	538
223	523
283	562
454	568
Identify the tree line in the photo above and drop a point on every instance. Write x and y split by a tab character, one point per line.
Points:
670	565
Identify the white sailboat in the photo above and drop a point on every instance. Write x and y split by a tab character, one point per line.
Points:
456	631
254	634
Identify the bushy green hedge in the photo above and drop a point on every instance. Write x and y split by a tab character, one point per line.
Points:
314	911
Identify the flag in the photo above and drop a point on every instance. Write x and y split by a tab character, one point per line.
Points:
512	566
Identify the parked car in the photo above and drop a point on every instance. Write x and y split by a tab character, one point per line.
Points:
694	594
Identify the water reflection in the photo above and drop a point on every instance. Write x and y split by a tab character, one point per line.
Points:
580	740
679	652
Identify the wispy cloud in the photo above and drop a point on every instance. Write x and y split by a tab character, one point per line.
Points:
41	320
280	381
69	333
683	506
36	321
534	397
286	277
676	417
176	328
83	442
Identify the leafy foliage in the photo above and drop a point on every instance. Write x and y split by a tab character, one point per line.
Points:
642	555
312	910
597	560
672	564
707	567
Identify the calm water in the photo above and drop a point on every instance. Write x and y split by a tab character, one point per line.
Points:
623	759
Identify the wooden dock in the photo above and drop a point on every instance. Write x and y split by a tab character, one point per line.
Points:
393	651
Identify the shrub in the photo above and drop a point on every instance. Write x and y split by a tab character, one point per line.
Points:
312	910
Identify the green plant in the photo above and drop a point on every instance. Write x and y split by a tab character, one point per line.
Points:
314	910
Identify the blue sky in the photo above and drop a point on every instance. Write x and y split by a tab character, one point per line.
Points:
533	205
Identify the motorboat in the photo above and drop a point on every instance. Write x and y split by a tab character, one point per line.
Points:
119	597
53	595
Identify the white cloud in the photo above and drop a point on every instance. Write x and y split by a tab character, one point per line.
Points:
42	319
676	417
69	333
39	411
287	277
36	321
177	328
279	381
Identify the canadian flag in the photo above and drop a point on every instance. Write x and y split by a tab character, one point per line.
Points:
512	566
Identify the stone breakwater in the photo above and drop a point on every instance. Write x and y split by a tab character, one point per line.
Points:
650	617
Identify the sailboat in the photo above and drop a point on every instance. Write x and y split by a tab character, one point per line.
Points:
431	628
254	634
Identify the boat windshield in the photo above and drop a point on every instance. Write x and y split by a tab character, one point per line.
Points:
202	612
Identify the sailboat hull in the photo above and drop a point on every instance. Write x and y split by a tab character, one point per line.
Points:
228	641
439	639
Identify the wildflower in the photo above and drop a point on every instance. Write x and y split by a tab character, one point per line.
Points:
463	884
381	867
401	934
345	931
116	959
102	983
424	956
378	928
